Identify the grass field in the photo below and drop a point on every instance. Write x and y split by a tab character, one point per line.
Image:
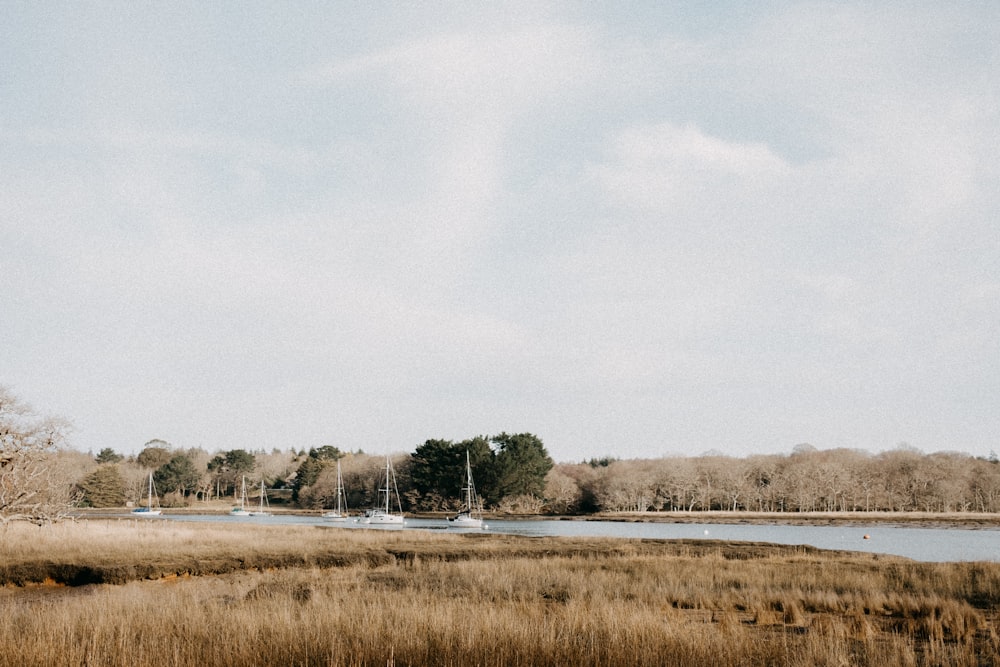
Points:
163	593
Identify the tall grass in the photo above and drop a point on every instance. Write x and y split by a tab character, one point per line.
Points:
436	599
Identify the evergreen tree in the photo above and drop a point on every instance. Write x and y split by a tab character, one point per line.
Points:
434	467
326	453
229	467
520	466
311	467
178	474
108	455
153	456
306	475
104	487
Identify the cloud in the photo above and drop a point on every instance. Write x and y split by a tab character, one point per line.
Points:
464	92
495	73
623	230
657	167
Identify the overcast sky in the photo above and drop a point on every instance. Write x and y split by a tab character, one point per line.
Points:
632	229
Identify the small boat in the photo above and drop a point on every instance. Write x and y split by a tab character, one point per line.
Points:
471	513
381	515
264	507
340	513
149	510
241	509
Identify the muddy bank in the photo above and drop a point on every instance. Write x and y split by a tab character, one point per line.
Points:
968	520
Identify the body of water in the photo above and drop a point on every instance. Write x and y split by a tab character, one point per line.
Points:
923	544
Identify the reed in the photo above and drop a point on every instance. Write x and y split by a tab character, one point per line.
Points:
416	598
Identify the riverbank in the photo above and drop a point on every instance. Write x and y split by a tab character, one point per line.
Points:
968	520
221	595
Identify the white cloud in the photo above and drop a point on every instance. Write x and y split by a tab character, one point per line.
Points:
660	166
621	232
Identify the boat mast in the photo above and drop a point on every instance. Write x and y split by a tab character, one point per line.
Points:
386	484
340	490
468	482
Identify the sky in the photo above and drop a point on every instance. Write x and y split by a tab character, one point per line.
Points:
633	229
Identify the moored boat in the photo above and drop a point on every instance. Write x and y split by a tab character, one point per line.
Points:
264	508
241	509
381	515
150	510
339	513
471	513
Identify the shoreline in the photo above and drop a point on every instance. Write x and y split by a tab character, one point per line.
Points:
966	520
284	594
961	520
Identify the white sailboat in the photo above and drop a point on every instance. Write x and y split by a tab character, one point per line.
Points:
340	512
241	509
380	515
264	506
471	513
149	510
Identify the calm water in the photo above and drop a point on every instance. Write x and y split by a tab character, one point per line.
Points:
924	544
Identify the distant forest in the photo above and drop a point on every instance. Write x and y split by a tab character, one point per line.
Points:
41	478
430	479
807	480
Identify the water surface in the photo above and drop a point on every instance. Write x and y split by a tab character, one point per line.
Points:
923	544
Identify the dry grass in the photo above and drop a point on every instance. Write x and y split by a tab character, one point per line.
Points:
317	596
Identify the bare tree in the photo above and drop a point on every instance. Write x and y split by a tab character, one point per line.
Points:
277	466
562	494
34	486
762	482
626	486
984	483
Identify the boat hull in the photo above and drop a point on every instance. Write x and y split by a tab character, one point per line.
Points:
146	512
382	519
466	522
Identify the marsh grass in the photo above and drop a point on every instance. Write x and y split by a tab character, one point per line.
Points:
267	595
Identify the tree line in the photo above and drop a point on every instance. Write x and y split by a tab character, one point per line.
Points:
807	480
511	470
42	479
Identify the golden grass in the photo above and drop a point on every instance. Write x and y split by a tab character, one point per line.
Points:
274	595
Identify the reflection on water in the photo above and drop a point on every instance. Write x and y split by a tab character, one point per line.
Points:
924	544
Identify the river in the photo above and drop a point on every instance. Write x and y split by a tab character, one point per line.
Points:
922	544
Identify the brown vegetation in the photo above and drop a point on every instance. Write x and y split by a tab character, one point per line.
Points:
193	594
35	481
808	480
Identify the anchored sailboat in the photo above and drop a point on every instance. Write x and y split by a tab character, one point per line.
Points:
340	512
264	507
149	510
381	515
241	509
471	513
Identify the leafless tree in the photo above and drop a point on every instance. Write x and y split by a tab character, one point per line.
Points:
275	466
33	485
562	494
626	486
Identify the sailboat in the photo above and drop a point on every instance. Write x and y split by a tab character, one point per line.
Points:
241	509
340	513
148	510
471	513
380	515
264	508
